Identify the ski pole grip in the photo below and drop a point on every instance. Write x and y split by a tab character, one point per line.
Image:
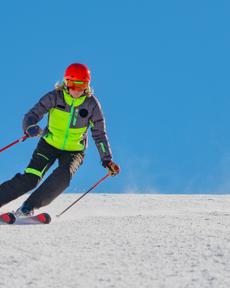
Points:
23	138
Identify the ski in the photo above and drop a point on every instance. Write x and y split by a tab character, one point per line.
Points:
10	218
7	218
42	218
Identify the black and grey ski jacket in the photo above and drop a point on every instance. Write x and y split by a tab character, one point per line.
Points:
69	120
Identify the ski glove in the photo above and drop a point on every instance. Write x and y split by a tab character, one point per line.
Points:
113	168
33	131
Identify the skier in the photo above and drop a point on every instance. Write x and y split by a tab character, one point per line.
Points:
72	109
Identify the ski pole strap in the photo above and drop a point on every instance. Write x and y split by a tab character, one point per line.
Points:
95	185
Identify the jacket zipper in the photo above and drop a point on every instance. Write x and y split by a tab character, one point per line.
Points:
68	126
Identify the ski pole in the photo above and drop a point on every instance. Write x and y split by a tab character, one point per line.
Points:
101	180
15	142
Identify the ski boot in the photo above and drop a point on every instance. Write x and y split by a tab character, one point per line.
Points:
24	211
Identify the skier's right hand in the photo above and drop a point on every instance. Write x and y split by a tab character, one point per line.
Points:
33	131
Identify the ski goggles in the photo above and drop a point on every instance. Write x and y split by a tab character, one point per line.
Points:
76	85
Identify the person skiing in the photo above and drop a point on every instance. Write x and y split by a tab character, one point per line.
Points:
72	109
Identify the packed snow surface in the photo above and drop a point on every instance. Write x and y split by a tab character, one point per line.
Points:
123	241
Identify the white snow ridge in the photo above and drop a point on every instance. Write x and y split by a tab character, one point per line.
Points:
121	241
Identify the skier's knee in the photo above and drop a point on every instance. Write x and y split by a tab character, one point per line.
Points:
31	180
64	174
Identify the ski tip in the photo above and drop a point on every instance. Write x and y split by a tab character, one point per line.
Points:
8	218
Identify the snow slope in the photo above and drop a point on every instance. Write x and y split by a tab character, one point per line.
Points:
130	241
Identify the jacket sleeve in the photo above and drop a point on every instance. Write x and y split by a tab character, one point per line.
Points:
99	134
35	114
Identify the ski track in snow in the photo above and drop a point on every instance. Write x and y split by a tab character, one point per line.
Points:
130	241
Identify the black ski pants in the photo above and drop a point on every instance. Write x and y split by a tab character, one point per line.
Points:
42	159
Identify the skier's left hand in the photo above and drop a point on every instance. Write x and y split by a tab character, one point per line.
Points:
113	168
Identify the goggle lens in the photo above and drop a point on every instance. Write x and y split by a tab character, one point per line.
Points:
76	85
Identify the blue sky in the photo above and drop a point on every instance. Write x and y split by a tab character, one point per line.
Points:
161	72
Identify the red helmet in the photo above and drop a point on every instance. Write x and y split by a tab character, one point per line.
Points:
77	71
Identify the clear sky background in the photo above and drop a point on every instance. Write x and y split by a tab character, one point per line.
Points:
160	69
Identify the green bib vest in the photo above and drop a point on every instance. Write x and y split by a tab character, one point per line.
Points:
63	133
